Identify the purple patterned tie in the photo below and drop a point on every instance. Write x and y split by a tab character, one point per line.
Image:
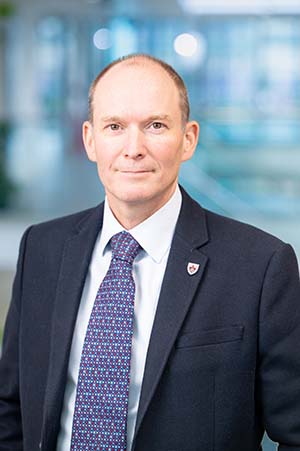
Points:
101	405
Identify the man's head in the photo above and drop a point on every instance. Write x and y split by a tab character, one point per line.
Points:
138	59
138	136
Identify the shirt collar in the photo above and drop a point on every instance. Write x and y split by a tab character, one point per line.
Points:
154	234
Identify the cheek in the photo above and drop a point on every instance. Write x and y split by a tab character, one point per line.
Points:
103	155
168	151
107	151
103	166
170	159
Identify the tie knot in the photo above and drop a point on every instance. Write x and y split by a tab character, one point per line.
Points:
124	246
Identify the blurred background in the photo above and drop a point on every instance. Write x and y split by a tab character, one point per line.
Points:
241	63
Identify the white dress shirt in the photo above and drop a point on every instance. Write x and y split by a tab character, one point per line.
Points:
155	236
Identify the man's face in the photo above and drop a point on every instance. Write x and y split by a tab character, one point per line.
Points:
137	137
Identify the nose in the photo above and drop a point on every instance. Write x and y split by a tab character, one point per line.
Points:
134	147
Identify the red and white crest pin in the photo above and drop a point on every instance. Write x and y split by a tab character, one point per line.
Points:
192	268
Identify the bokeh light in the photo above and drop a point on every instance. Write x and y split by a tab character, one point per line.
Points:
102	39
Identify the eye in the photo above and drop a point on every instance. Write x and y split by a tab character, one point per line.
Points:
157	125
114	127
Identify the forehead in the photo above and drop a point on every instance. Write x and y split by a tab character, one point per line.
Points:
137	85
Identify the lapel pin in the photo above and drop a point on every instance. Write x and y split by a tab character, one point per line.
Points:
192	268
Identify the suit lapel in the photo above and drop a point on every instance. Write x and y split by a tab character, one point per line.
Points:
74	266
177	293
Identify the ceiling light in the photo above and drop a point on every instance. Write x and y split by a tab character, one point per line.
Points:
102	39
240	6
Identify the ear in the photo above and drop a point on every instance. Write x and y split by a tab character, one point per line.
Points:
88	140
190	140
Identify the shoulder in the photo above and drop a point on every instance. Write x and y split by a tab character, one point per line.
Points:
242	248
236	230
240	245
59	229
228	236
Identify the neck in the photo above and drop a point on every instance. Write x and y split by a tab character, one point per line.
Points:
132	214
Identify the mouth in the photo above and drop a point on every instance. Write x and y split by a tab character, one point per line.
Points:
135	171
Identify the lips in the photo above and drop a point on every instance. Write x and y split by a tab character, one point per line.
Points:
135	171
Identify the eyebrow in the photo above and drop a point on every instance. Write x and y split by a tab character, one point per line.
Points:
110	119
155	117
162	117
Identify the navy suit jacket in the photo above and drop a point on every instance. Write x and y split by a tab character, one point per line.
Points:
223	362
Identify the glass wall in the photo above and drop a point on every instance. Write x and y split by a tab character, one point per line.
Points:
243	78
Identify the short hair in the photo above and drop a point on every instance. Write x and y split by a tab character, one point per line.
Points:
134	59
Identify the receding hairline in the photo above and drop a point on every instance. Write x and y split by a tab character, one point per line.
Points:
141	59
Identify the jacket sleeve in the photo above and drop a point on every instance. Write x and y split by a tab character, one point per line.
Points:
279	350
10	410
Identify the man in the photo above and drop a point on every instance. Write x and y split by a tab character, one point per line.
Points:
213	357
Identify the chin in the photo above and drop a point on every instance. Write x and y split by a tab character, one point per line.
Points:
139	193
132	198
